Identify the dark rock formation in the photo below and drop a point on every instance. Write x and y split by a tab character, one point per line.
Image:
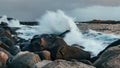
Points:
29	23
36	41
60	50
34	45
79	46
95	21
6	40
9	47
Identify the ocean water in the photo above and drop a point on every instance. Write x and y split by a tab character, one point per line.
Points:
57	22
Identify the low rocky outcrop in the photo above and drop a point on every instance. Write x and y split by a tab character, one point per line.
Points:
63	64
42	64
115	43
109	59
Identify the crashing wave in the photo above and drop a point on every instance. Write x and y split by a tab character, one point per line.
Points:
58	22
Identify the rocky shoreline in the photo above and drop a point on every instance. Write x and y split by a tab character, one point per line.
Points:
51	51
101	27
105	27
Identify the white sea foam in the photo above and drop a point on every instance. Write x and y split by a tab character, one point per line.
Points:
54	22
4	19
11	23
14	23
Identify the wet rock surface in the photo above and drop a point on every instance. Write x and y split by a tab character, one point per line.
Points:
64	64
109	59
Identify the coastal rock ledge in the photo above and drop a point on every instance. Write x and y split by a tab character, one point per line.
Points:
62	64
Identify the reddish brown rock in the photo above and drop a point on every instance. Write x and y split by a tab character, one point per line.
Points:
3	59
44	55
60	50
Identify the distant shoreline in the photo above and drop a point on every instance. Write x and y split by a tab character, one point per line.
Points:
107	26
77	22
100	22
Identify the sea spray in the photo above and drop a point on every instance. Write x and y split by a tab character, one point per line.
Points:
4	19
53	22
14	23
11	23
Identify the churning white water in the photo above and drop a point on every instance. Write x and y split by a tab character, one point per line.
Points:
11	23
57	22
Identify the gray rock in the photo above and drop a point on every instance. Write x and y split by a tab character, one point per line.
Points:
65	64
109	59
24	60
41	64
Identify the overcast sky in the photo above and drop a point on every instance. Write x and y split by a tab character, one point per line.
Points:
81	10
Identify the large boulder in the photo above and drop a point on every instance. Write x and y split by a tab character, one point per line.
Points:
60	50
24	60
34	45
109	59
115	43
62	64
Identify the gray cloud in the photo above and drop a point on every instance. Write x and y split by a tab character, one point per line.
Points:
32	9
